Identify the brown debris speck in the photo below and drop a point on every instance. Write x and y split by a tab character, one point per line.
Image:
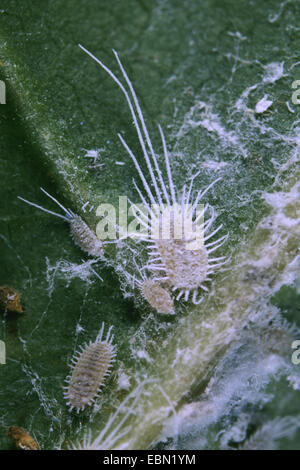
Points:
22	439
10	299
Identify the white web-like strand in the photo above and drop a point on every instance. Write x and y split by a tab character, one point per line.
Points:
266	436
67	270
114	429
237	388
48	404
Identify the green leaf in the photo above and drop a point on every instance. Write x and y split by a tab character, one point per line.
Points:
199	69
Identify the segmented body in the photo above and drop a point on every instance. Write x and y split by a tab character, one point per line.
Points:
84	237
158	297
90	367
183	268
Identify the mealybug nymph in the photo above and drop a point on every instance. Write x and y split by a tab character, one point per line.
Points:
82	235
182	268
89	369
156	295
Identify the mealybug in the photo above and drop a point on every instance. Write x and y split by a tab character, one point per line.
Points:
89	369
82	235
182	268
156	295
